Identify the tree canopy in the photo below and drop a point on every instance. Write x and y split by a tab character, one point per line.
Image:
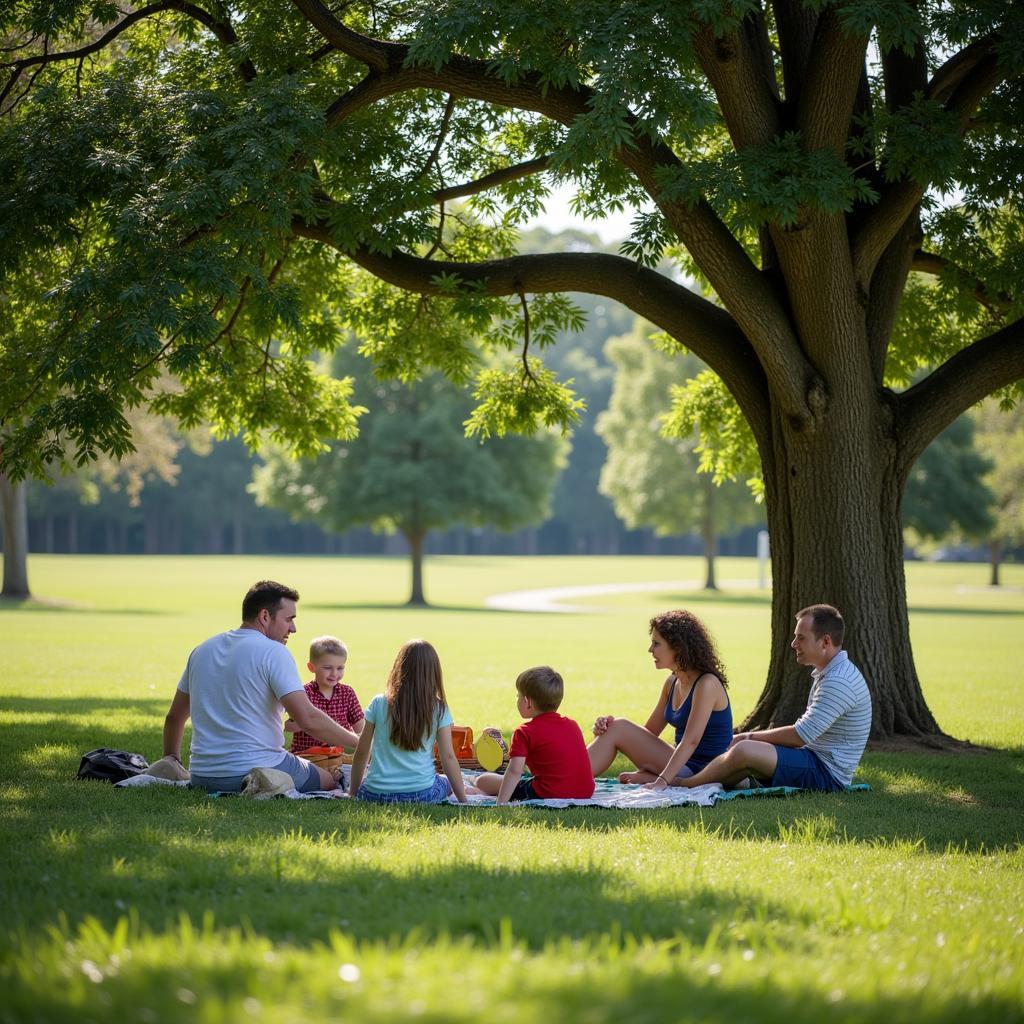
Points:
221	190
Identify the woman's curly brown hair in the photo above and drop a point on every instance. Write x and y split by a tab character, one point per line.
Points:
690	642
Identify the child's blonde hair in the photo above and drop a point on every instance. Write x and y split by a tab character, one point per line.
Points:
543	686
415	694
326	645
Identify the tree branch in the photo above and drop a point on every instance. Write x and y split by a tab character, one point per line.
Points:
796	23
950	75
966	85
527	372
700	325
502	176
377	54
221	29
933	263
753	300
449	109
737	75
904	75
828	93
888	285
927	408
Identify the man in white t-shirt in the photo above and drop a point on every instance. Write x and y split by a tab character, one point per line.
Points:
235	687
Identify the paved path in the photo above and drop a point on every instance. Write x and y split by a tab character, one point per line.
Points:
553	599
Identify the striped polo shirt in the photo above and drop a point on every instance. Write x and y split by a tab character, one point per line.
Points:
838	717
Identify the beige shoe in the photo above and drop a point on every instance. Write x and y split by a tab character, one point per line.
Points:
263	783
168	768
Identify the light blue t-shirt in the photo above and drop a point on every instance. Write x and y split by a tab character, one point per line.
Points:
393	770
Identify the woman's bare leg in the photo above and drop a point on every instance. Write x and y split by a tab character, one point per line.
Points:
646	751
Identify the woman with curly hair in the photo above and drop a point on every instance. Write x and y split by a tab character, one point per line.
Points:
693	700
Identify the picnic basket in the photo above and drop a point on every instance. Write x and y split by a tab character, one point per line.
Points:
462	741
327	758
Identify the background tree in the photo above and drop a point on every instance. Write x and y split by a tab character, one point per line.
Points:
810	161
582	518
412	469
652	479
1001	438
14	509
946	495
155	444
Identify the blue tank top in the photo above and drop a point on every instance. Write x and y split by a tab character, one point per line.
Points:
717	733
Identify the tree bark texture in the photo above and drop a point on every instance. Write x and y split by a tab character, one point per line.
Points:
15	511
836	538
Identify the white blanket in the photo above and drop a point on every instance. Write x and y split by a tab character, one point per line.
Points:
607	795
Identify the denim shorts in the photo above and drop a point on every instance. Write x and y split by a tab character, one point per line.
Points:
437	793
802	768
304	775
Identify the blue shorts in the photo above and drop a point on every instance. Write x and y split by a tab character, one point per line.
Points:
438	793
304	775
802	768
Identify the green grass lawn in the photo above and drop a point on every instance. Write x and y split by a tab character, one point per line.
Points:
903	904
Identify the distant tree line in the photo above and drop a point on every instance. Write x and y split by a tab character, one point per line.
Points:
622	488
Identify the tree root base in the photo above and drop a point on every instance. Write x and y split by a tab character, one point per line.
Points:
938	743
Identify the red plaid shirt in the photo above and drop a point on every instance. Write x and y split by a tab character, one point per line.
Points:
342	706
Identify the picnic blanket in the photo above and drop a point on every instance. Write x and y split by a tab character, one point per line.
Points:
611	793
608	793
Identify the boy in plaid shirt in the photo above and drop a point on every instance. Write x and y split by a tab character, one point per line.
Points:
327	658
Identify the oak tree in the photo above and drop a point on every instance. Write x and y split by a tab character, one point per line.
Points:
238	182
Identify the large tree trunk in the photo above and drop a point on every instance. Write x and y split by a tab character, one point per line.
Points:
833	496
15	510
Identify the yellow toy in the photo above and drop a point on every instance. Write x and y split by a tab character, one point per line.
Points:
491	749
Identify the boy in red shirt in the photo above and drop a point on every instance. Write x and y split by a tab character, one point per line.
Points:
548	744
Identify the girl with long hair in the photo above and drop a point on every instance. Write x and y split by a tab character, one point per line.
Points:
402	725
693	700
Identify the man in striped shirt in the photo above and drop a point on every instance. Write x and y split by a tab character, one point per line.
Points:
823	748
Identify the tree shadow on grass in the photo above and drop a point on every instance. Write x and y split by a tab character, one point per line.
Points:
42	604
48	722
925	609
967	801
161	871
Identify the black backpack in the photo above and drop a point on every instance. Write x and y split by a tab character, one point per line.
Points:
108	765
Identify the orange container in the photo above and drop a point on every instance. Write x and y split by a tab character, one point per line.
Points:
462	741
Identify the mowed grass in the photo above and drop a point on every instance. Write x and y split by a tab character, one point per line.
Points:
904	904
